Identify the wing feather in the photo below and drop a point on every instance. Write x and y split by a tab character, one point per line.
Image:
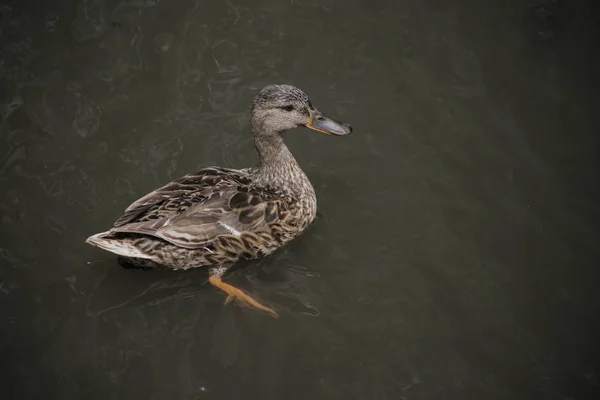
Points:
194	210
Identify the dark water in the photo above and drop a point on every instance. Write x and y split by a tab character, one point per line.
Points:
456	255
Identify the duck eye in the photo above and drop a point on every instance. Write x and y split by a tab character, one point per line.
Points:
289	107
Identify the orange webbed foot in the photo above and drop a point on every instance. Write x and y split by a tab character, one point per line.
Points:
239	295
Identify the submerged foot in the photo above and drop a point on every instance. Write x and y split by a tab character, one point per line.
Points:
237	294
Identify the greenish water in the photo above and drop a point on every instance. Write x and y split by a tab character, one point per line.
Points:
456	251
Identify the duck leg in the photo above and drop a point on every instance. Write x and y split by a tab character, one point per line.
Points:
235	293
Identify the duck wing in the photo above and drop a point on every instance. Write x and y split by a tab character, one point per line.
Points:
175	197
194	210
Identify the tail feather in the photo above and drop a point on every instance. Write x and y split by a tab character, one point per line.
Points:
123	247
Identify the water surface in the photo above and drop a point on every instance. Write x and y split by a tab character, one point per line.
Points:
456	251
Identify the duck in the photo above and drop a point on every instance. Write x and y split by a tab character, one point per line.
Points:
218	216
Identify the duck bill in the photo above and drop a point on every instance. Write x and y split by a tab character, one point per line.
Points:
321	123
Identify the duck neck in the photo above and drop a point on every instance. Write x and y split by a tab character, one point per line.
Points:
271	149
277	167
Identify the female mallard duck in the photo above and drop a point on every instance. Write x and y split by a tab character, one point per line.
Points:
218	216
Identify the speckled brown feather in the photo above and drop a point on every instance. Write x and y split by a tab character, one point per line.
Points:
218	216
212	217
